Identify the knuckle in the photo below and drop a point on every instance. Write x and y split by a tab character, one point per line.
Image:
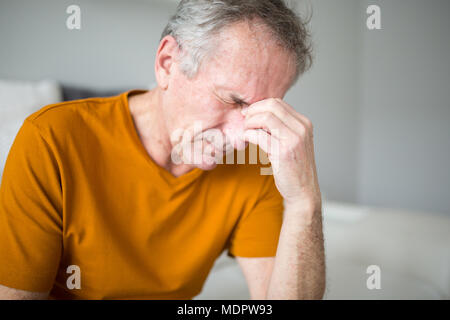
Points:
266	116
302	130
295	142
284	153
283	113
273	102
308	123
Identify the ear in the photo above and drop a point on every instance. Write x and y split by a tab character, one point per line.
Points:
165	58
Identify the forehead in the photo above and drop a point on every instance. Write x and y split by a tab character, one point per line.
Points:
249	63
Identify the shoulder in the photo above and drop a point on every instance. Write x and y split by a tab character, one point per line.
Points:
64	115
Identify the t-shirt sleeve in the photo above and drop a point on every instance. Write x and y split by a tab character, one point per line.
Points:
30	213
258	230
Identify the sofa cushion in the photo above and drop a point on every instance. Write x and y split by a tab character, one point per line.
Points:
19	99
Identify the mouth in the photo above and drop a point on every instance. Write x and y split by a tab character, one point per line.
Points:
229	146
219	143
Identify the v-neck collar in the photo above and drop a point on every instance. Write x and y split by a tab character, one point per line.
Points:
173	182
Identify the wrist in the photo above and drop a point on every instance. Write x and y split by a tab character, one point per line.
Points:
304	203
307	208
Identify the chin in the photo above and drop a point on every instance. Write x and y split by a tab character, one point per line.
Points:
207	166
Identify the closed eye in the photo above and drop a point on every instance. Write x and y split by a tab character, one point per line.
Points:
236	103
240	103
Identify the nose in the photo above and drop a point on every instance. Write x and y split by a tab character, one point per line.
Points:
234	121
233	128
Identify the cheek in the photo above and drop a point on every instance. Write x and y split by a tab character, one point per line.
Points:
211	116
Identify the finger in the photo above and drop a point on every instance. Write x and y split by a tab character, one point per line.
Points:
287	115
277	106
305	120
261	138
268	122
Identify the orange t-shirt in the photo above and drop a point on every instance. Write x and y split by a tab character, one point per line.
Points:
80	189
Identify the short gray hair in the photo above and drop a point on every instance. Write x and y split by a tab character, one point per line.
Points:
196	23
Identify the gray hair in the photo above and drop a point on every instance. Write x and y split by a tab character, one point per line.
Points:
197	23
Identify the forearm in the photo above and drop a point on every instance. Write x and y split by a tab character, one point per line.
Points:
299	268
7	293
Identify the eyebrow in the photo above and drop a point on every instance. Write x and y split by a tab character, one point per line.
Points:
238	100
235	97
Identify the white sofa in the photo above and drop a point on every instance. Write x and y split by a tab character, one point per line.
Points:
411	249
19	99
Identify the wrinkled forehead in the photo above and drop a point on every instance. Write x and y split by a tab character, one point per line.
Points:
247	59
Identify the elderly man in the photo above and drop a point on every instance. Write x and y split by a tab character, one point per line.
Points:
95	204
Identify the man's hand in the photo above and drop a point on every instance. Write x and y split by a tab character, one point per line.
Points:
274	121
299	266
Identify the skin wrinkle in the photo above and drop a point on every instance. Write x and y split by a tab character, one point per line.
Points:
253	76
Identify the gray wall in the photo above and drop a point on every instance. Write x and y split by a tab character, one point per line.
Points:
115	47
404	153
328	94
379	100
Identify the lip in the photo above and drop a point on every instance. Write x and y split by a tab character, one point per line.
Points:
232	140
240	145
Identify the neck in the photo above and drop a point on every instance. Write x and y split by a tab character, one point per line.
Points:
149	118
